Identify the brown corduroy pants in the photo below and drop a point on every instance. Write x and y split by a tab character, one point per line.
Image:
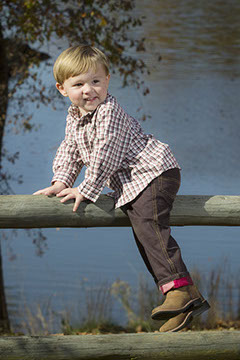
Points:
149	216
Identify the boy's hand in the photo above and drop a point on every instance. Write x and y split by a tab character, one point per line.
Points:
72	193
56	188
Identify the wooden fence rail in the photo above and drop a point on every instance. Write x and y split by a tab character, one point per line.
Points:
205	345
39	211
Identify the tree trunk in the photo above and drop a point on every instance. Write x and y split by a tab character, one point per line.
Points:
3	88
18	57
4	319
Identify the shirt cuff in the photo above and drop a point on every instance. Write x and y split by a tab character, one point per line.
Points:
89	190
64	178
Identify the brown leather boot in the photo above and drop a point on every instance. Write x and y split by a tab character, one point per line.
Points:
180	321
178	301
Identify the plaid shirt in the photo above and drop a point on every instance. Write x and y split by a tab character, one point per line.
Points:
115	150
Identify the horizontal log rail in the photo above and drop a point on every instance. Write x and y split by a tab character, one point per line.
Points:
39	211
204	345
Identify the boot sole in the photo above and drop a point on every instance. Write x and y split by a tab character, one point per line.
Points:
168	314
195	312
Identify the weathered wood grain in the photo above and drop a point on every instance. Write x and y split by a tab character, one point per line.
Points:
205	345
39	211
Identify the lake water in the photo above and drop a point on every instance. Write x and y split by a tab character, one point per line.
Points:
194	106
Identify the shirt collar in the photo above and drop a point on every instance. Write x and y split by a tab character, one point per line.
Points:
74	111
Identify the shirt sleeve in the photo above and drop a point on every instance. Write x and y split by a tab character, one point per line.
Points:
67	163
110	148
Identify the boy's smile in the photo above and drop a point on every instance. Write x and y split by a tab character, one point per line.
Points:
87	90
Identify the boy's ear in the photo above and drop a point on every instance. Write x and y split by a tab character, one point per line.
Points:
61	89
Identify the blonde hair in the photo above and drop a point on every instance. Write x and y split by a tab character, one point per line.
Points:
78	60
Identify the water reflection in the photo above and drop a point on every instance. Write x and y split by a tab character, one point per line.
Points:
199	119
197	34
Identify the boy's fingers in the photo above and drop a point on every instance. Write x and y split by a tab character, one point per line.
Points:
70	195
67	197
39	192
64	192
46	191
77	203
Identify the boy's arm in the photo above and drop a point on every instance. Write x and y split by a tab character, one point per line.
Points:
67	163
111	145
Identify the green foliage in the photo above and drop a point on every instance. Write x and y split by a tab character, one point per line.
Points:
28	27
105	24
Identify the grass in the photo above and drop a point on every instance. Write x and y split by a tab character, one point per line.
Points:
99	305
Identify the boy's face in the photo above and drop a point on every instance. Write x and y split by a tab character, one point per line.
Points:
87	90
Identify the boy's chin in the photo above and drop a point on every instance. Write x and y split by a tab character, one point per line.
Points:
91	107
87	109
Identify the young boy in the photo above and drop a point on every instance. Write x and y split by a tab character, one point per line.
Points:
141	170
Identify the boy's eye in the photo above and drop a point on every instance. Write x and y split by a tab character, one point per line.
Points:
95	81
78	84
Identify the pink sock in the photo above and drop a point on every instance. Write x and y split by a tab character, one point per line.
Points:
175	284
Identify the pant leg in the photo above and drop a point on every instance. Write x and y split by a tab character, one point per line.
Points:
149	216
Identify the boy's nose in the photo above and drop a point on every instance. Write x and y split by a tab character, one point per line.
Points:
87	88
